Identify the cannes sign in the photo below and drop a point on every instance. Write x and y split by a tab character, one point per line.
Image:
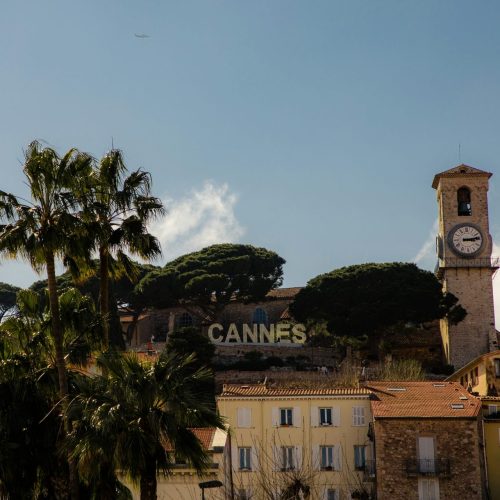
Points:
281	333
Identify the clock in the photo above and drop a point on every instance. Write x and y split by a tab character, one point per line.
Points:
466	240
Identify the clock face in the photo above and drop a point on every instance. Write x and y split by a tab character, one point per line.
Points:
465	240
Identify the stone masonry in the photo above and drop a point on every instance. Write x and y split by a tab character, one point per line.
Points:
396	442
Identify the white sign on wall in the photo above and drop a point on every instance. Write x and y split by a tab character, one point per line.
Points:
281	333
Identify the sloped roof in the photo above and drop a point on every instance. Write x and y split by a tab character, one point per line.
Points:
459	171
206	436
422	400
458	373
261	390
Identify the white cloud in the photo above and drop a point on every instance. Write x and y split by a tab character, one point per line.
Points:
426	256
204	217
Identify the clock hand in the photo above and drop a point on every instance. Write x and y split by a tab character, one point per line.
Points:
471	239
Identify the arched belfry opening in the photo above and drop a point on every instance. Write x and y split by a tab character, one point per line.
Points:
464	204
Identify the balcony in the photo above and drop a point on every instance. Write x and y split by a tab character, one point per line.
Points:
427	467
369	470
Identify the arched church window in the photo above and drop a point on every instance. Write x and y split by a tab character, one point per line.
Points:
463	198
184	320
260	316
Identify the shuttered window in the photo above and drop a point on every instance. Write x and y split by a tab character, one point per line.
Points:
244	417
358	415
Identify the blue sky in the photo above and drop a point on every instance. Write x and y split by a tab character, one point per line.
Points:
311	128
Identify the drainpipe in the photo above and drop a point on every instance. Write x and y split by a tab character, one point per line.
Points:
231	482
485	462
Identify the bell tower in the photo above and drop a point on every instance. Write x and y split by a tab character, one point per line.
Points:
465	266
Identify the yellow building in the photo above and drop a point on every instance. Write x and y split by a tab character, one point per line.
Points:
183	482
481	376
291	440
491	426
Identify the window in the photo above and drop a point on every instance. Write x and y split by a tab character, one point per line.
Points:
326	457
426	454
463	199
260	316
184	320
286	416
358	415
244	417
331	494
243	494
325	416
497	367
428	489
287	457
492	409
244	455
359	457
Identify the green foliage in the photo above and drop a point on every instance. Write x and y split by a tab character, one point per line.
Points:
121	293
368	298
125	418
211	277
31	464
7	298
186	341
401	369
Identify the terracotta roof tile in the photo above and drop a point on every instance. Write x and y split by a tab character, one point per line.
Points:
204	434
422	400
260	390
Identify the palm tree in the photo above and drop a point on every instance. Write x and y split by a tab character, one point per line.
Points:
42	229
116	211
127	417
31	465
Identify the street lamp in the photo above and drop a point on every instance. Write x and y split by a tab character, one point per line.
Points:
208	484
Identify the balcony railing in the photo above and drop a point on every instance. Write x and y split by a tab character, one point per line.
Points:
428	467
369	470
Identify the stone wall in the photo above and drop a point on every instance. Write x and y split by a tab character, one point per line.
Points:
396	441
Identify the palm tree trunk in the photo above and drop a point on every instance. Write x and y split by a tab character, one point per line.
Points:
148	481
104	295
57	334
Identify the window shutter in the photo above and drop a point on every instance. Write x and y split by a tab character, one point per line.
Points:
248	417
358	415
337	460
314	416
315	458
336	417
297	417
254	459
235	457
276	417
244	417
277	461
298	457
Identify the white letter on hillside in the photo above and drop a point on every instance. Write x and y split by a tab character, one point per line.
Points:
211	328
